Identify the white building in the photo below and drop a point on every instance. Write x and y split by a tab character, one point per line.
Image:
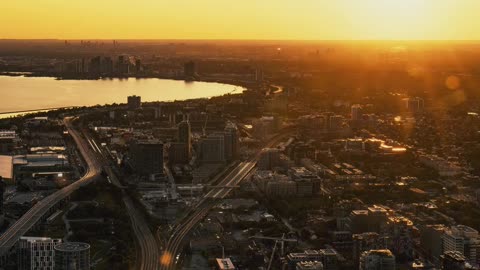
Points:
36	253
463	239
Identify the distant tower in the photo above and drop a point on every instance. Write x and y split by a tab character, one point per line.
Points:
258	75
231	141
134	102
185	136
189	69
356	112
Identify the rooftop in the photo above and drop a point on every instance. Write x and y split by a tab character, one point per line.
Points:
72	246
380	252
225	264
6	167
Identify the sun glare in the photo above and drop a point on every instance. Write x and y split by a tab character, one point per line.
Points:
392	19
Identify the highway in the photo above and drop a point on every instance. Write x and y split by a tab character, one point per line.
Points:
171	255
149	253
34	214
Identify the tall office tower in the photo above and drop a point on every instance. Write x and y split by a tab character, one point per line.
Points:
134	102
189	69
327	116
72	255
356	111
269	159
107	65
147	157
185	136
95	64
212	148
231	141
259	75
463	239
36	253
414	104
379	259
177	153
431	240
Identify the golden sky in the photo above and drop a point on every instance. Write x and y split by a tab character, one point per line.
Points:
241	19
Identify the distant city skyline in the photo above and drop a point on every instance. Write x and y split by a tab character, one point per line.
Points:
249	19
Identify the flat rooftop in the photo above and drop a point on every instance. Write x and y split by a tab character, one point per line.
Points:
6	167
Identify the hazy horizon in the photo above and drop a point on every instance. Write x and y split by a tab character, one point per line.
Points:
304	20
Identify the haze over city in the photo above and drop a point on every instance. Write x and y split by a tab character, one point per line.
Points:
240	135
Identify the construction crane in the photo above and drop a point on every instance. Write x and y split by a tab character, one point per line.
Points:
282	241
273	254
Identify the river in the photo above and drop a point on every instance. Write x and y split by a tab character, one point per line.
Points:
19	93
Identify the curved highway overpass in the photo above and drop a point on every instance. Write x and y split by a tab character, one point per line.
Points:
39	210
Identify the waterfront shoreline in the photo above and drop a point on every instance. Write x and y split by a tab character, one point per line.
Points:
239	83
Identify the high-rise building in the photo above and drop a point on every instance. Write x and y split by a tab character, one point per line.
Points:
358	222
36	253
356	111
231	141
107	65
177	153
147	157
379	259
401	232
377	216
212	148
72	255
259	75
185	136
189	69
415	104
269	159
431	240
95	65
134	102
463	239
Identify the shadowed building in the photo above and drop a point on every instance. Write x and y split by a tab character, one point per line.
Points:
72	255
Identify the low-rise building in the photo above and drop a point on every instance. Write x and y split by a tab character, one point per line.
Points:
379	259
